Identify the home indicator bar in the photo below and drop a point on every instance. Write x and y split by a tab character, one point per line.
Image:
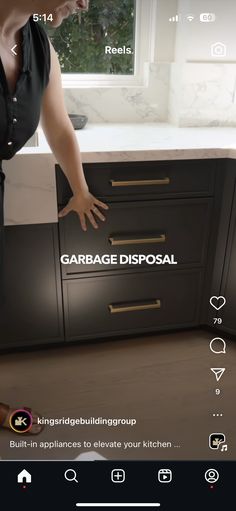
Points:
118	504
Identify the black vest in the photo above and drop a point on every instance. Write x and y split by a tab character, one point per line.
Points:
20	111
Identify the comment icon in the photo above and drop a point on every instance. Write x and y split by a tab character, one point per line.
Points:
218	346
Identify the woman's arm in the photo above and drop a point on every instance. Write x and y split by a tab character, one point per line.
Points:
62	140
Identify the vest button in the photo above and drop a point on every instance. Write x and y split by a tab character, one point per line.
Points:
14	99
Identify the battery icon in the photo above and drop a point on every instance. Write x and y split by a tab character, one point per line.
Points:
207	17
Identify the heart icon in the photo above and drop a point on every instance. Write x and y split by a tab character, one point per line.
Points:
217	302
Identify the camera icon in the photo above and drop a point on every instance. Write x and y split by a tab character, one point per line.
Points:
218	50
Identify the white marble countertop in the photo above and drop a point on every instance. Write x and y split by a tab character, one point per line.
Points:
104	142
30	179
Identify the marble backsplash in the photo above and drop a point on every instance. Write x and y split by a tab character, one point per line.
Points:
202	94
185	94
124	104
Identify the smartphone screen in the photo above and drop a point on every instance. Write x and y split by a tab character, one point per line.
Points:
118	272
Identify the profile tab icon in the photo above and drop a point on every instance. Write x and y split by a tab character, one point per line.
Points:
212	476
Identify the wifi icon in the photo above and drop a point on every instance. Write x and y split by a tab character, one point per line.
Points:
190	17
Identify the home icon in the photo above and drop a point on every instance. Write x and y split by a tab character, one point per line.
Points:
24	477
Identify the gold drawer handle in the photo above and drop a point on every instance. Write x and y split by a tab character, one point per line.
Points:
137	241
154	304
141	182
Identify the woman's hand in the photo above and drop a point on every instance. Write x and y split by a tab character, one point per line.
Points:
85	204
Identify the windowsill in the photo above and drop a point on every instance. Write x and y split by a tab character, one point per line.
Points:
77	81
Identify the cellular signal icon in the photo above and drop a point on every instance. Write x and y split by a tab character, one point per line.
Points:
174	19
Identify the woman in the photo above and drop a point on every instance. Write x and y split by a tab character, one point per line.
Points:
30	88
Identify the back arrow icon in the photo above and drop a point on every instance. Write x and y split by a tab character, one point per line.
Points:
13	49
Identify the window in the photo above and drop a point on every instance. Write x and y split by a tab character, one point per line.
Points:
88	42
82	39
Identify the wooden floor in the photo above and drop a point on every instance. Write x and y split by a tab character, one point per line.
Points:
164	381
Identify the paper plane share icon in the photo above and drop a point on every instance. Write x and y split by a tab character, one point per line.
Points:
218	372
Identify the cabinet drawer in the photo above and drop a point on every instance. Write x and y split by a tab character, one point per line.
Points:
178	227
131	303
145	179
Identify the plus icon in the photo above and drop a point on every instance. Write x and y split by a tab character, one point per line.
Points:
118	475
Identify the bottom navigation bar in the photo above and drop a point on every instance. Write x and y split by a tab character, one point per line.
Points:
165	485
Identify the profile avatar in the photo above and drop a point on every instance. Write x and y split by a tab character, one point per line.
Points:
21	421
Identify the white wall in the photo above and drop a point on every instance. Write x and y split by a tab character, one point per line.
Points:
203	87
165	31
193	40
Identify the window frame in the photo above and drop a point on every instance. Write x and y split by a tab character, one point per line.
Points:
145	18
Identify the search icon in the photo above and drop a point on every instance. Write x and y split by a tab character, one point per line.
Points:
70	475
218	345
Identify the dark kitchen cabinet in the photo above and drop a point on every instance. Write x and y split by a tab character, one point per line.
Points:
185	208
228	289
145	180
224	274
131	303
31	312
160	207
156	227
